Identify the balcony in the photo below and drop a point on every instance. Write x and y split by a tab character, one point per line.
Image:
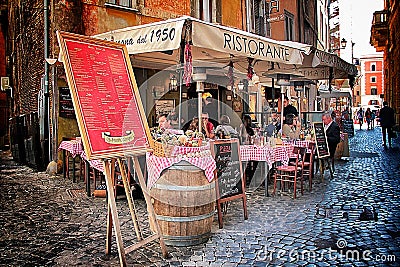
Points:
380	30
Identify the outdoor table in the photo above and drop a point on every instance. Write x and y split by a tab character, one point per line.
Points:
183	196
75	148
155	165
267	154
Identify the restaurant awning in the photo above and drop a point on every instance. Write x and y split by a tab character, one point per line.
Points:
335	93
320	65
158	45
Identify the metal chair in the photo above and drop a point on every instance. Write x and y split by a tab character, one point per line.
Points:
290	174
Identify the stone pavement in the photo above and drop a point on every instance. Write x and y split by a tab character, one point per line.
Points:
49	221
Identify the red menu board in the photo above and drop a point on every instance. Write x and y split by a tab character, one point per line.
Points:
105	96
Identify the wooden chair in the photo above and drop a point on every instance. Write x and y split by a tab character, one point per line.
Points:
289	174
308	166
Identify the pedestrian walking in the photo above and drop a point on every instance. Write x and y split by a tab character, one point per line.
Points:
368	118
386	118
360	117
373	117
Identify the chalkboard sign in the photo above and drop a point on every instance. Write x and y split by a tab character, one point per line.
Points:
320	139
66	107
228	169
229	175
348	127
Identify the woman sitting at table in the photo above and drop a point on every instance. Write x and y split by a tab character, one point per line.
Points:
224	129
292	127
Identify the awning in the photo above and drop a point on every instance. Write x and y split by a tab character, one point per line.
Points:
157	45
320	65
160	45
335	93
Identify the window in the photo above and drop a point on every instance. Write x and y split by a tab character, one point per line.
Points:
207	10
289	26
374	91
122	3
257	17
358	93
373	66
373	79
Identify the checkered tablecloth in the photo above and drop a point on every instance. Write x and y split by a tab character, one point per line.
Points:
191	151
74	147
266	153
97	164
300	143
155	166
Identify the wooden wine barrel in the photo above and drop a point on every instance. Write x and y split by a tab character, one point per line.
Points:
184	203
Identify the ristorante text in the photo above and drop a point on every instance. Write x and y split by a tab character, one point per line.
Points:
259	48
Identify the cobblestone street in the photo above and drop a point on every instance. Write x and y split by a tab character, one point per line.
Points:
49	221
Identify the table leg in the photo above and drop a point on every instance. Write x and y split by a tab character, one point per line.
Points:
266	174
64	163
87	177
73	170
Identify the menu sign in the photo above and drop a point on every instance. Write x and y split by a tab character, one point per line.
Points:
228	169
321	141
229	174
348	127
105	96
66	107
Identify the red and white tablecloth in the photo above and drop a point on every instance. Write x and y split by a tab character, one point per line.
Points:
97	164
300	143
266	153
75	147
155	166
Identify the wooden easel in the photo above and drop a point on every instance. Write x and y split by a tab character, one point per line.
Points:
112	214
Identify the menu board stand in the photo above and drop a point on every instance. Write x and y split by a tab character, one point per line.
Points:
228	174
322	148
111	121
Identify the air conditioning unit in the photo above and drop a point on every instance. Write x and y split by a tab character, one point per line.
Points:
5	83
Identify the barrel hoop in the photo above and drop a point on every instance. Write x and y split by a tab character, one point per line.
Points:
181	241
184	188
185	219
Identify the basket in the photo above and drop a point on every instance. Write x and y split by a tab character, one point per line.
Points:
162	150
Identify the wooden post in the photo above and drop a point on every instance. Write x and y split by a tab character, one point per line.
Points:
109	169
132	207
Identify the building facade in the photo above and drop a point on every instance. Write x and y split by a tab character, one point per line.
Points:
372	80
385	37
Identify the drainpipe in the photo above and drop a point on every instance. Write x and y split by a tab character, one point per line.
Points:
45	141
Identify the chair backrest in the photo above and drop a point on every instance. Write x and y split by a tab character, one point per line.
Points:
311	149
300	153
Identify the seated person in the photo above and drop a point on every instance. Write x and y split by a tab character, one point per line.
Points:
224	129
173	117
291	128
246	131
274	125
207	127
164	122
194	125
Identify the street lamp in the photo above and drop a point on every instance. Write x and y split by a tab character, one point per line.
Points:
343	44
